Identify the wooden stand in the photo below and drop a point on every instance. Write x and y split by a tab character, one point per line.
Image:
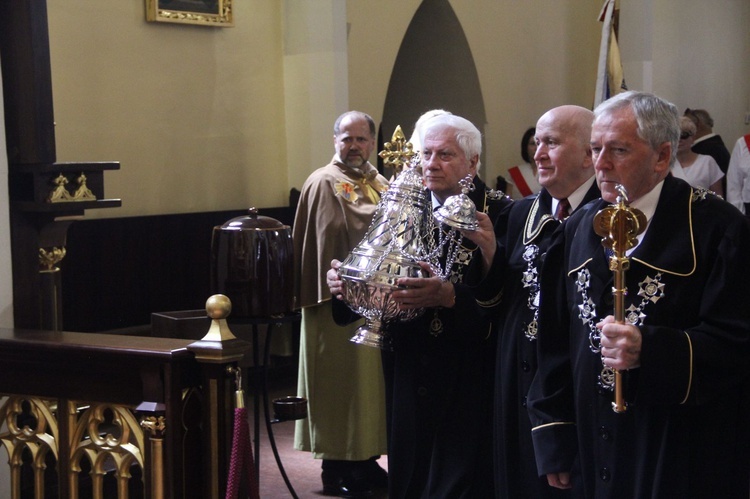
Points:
40	211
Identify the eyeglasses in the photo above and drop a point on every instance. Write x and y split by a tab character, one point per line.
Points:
685	135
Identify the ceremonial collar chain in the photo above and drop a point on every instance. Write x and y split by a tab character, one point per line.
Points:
650	290
530	280
459	257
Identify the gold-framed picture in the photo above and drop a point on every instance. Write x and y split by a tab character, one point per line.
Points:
200	12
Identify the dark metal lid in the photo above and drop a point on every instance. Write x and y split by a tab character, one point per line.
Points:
253	221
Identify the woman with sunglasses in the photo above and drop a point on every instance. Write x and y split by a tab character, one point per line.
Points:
698	170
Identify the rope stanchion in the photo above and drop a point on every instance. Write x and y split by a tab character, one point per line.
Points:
242	457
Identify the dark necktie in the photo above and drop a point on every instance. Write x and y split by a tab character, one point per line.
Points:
563	209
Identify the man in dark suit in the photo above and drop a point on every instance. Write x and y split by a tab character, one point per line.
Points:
683	347
439	375
510	287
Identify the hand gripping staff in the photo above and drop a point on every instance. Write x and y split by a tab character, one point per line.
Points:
619	226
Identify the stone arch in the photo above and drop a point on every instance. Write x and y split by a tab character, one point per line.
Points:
434	68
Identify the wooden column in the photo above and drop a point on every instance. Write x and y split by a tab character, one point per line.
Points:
38	226
27	82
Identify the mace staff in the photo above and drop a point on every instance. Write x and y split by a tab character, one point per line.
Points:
619	225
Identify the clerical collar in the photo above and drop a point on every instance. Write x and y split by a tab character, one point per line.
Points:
701	139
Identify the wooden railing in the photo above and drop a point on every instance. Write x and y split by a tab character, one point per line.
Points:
101	416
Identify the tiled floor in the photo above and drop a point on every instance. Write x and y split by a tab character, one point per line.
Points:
302	470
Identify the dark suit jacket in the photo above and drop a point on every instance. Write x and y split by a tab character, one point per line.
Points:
439	393
685	431
439	389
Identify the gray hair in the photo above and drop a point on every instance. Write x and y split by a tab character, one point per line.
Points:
415	136
657	119
467	135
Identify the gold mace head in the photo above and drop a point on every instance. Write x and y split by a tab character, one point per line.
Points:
619	224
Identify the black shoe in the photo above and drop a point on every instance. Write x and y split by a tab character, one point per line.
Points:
375	474
345	485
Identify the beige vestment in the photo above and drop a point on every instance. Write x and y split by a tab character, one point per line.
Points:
342	381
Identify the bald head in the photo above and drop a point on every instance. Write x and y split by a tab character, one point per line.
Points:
573	121
563	154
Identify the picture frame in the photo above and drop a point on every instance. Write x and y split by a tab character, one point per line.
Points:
216	13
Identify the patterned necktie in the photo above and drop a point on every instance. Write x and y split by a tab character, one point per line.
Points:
563	209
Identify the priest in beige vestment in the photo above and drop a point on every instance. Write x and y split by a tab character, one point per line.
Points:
342	381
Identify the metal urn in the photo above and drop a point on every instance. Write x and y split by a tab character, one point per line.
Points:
252	263
390	249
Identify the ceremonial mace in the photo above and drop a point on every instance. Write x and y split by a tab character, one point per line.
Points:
619	226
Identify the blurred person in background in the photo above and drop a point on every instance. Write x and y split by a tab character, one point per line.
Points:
698	170
523	177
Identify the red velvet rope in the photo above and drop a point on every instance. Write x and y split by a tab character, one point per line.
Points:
241	454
